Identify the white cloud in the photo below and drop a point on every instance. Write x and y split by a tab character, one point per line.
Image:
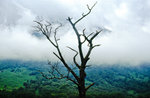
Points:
129	22
122	10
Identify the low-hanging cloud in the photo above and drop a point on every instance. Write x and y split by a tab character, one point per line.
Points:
127	43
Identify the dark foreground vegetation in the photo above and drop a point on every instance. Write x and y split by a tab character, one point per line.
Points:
20	79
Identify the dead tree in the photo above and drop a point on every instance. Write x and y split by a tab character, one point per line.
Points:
78	79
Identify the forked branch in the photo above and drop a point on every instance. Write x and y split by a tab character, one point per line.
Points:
84	15
74	58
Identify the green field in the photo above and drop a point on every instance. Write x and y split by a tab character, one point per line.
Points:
13	80
22	79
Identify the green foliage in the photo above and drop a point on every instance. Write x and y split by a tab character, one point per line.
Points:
14	79
21	80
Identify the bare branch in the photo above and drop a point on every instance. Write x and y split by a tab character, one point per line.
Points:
89	86
91	45
74	58
78	37
96	46
56	55
52	77
43	30
90	34
97	32
54	68
73	81
59	56
84	15
86	38
88	65
55	32
68	78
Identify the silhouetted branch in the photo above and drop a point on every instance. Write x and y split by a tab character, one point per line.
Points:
56	55
84	15
96	45
41	28
44	31
74	58
97	32
73	81
55	32
89	86
56	74
78	37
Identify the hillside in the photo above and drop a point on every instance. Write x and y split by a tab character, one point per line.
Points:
19	78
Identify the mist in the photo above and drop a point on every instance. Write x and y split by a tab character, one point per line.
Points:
127	40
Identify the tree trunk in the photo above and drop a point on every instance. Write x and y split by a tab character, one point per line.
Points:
82	92
81	87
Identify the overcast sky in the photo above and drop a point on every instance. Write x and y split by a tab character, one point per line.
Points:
128	20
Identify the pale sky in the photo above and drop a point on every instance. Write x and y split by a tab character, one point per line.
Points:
128	20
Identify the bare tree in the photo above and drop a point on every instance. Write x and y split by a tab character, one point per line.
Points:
78	78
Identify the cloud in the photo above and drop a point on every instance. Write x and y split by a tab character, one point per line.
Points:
9	12
128	21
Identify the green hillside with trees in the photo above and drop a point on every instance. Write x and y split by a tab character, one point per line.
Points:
20	79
